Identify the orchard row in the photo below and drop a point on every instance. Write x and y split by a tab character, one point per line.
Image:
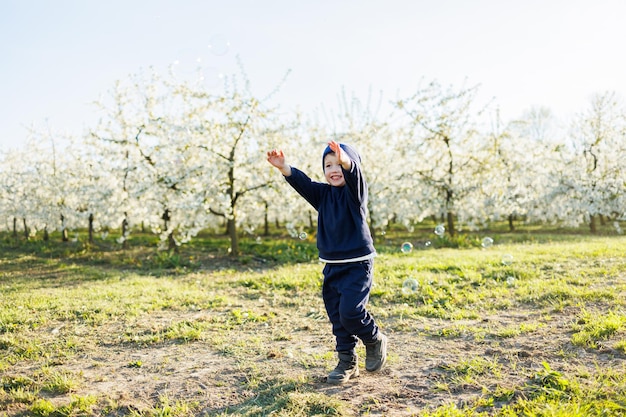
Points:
177	158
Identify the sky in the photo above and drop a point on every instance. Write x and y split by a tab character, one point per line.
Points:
58	56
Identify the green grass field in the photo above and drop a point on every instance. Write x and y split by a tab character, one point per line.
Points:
533	326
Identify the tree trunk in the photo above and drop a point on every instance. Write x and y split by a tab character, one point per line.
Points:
171	243
266	223
15	227
124	231
166	218
46	235
450	221
593	227
511	225
25	228
232	233
91	228
64	236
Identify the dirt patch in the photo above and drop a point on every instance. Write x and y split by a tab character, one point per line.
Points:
421	373
239	366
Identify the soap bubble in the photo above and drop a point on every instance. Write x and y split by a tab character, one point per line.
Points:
507	259
510	280
406	247
428	244
302	235
487	242
410	286
440	230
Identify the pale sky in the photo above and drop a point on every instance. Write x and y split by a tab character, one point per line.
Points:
57	56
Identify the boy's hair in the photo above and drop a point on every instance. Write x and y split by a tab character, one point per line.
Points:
350	150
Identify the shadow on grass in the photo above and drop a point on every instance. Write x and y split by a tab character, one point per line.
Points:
58	263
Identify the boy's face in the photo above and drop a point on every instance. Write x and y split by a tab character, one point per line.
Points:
333	171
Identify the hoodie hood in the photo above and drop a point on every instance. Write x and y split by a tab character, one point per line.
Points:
348	149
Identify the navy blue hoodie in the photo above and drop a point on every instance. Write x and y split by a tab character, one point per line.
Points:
342	230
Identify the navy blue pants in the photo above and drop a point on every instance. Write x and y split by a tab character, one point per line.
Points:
346	292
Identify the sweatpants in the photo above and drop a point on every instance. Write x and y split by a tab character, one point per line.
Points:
346	291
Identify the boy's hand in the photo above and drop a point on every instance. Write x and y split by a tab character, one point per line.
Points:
276	157
343	159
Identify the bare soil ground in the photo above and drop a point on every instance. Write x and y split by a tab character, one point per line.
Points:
416	378
233	370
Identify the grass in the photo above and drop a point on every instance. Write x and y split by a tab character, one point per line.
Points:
533	326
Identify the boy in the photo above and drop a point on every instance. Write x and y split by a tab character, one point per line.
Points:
346	246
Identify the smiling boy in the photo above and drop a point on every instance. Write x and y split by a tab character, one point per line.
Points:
346	247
